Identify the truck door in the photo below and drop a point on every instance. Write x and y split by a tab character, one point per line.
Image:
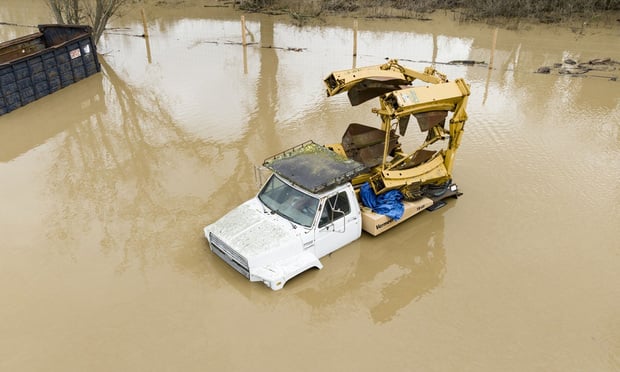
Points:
339	224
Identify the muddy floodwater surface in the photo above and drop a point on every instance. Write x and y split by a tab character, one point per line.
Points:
105	187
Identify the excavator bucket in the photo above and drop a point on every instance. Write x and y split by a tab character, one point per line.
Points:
370	88
365	83
403	123
427	120
366	144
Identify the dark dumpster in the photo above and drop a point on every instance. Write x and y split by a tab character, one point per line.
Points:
39	64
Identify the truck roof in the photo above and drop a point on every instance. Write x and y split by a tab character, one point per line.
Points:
313	167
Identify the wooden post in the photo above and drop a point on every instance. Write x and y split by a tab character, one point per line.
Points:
354	64
146	30
354	37
244	44
486	85
243	30
493	49
146	37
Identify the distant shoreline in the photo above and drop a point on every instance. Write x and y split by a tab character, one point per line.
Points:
504	12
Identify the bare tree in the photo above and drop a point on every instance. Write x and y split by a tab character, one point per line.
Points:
95	13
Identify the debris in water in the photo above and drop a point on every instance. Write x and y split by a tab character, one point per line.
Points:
598	67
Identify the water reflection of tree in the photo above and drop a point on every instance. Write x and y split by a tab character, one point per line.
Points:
111	177
262	122
108	177
261	137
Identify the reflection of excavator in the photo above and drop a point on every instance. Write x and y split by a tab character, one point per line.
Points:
424	170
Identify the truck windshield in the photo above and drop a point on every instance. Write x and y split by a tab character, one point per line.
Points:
289	202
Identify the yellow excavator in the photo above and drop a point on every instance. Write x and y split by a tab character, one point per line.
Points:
424	170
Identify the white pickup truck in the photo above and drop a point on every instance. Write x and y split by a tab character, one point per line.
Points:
317	200
307	209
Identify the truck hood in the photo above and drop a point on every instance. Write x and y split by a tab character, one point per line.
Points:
256	234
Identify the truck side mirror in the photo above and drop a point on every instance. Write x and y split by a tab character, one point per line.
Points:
337	214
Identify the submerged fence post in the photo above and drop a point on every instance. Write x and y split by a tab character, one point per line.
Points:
146	30
243	30
486	85
244	44
146	36
493	48
354	43
355	38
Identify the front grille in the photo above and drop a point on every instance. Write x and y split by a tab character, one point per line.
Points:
233	258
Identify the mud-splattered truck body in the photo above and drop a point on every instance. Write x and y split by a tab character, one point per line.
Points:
308	208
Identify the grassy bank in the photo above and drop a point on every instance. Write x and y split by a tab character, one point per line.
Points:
548	11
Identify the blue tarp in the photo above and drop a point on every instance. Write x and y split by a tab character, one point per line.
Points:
389	204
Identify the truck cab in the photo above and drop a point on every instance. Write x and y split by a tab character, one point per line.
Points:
304	211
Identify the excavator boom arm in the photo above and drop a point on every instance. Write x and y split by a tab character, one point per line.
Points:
392	84
369	82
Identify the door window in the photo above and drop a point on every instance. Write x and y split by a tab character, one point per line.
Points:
335	207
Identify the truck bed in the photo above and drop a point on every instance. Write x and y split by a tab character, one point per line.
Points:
374	223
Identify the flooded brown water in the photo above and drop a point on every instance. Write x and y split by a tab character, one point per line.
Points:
107	184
